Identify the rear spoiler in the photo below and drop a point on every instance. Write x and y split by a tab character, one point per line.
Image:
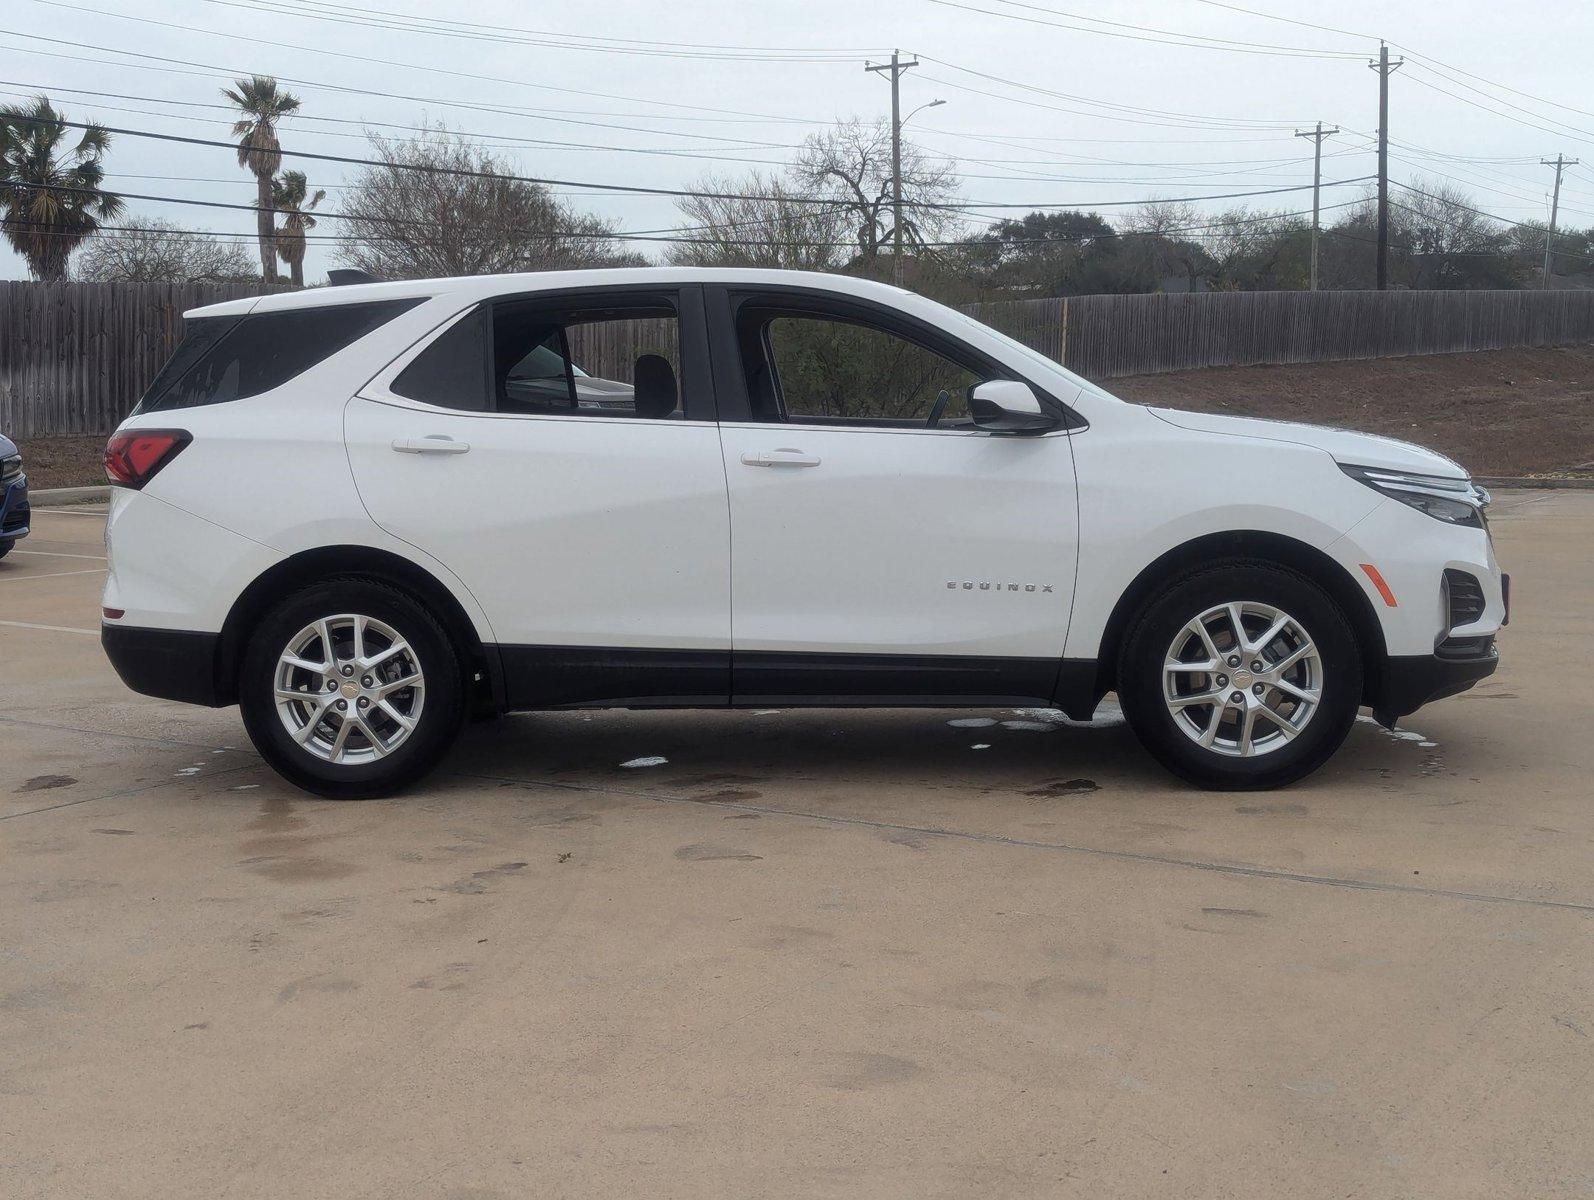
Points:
343	276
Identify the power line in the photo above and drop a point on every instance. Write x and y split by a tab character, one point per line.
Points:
555	41
1242	122
727	154
729	157
213	71
1164	37
246	238
642	189
515	34
1575	135
1502	86
1287	20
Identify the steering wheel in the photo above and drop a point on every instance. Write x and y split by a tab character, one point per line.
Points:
942	399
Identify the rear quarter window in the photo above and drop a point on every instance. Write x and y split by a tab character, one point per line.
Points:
232	358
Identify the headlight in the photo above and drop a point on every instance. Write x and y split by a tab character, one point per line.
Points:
1454	501
10	467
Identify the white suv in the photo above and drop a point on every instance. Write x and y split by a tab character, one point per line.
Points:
363	513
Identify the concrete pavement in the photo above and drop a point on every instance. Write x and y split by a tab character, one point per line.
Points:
810	954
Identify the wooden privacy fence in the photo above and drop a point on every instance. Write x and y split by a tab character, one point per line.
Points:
1101	337
75	357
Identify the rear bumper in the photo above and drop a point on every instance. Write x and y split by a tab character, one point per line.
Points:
14	510
173	664
1409	681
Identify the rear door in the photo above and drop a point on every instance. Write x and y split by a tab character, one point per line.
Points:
559	454
883	551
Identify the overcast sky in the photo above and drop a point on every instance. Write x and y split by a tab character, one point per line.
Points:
1035	113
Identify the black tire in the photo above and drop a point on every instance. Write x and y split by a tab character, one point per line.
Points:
440	715
1158	624
5	546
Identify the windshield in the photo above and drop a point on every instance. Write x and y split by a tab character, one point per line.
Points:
544	363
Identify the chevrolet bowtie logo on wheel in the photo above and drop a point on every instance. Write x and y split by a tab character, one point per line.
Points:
969	586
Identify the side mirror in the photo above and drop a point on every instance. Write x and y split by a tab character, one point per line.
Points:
1008	406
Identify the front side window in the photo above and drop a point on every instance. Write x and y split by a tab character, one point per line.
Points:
232	358
805	368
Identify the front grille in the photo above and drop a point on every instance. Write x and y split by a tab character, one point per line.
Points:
17	518
1464	598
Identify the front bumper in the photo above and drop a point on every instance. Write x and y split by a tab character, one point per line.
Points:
172	664
14	509
1408	681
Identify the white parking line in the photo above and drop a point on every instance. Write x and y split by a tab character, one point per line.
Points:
8	578
51	628
59	554
72	512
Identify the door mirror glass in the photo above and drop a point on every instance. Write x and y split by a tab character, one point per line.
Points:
1008	406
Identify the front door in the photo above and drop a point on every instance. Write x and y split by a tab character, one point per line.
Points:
559	455
883	548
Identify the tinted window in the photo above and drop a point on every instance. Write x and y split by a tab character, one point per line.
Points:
452	371
588	362
812	369
262	351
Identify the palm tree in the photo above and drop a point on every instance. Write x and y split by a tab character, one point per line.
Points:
50	197
288	196
262	105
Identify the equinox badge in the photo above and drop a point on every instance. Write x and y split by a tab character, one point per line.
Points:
999	587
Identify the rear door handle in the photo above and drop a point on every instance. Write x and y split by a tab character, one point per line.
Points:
435	444
784	457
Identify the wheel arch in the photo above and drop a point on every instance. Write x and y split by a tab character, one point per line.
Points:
482	672
1253	544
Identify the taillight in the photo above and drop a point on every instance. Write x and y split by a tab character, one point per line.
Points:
132	459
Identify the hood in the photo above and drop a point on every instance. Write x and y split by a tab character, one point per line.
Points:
7	446
1356	449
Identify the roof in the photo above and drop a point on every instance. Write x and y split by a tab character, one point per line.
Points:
470	288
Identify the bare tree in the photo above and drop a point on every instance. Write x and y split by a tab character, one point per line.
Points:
1446	236
852	163
1164	234
461	215
1253	250
758	221
161	252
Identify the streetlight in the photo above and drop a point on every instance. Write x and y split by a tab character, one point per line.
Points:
896	187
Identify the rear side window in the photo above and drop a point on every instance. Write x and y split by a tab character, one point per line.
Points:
452	371
233	358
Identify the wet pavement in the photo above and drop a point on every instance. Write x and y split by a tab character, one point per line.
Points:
907	953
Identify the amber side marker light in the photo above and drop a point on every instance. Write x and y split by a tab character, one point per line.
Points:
1378	582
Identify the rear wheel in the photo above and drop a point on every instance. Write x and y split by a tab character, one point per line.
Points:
350	689
1243	675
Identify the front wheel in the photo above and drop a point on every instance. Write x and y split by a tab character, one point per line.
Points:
1244	675
350	689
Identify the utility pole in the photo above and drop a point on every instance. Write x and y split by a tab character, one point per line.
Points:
1317	135
1383	66
1560	163
896	66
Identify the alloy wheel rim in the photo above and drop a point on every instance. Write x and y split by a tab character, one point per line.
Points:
1242	679
349	689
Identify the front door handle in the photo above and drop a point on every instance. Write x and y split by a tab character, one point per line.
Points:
784	457
434	444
